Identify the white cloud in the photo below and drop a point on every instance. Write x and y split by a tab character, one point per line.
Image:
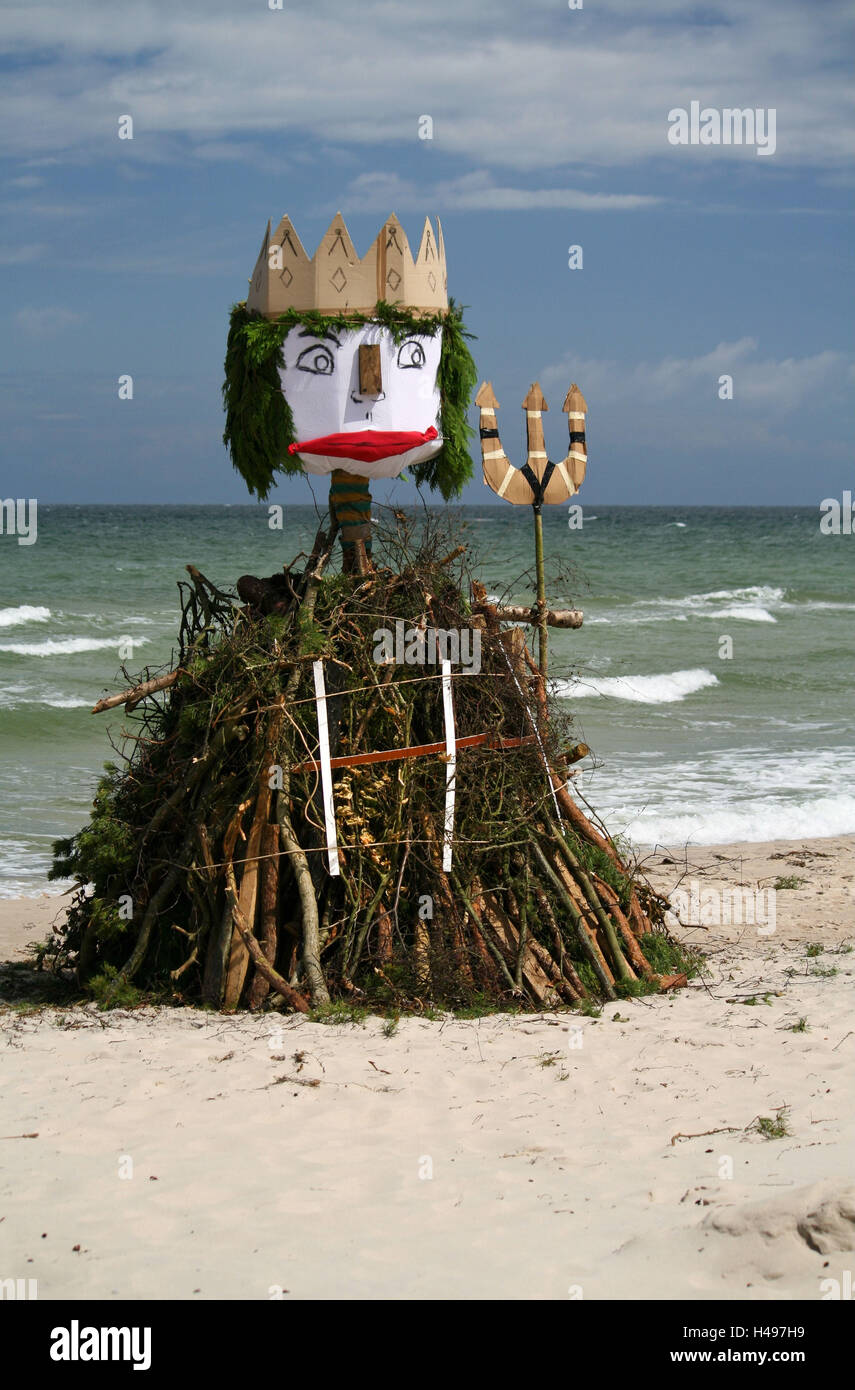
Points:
516	87
47	322
478	192
241	151
764	384
52	210
22	255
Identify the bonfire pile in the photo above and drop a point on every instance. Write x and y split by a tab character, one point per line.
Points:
204	869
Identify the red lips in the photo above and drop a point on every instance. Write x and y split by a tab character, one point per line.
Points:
366	445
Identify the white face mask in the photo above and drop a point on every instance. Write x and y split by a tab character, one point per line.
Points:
320	381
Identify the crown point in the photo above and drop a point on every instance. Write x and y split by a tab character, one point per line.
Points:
486	397
575	401
535	399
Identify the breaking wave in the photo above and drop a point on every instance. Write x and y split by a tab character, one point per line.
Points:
66	646
665	689
753	821
24	613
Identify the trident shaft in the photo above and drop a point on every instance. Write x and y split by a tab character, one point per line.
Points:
539	480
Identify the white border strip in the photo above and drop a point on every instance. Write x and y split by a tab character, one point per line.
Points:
450	766
506	481
326	770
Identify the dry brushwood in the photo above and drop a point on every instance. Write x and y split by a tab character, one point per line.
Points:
213	828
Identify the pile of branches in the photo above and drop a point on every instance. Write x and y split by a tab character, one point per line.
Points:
204	870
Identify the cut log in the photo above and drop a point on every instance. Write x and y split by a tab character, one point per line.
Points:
623	969
268	914
289	994
633	949
536	981
384	949
311	953
513	641
576	753
550	969
137	692
239	954
217	958
555	617
563	959
566	886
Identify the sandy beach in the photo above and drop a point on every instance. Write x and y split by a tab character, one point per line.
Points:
173	1154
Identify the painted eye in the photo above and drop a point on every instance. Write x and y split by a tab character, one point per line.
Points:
411	354
317	359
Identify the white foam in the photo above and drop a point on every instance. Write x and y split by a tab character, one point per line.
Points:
66	646
24	613
728	793
26	888
665	689
11	696
818	605
746	613
749	820
766	595
754	603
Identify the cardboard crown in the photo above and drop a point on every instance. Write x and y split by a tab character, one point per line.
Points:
336	281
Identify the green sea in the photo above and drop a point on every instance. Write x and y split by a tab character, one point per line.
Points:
689	742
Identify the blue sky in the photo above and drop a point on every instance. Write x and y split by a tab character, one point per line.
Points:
550	130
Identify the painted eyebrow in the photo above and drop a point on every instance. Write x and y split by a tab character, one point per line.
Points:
327	333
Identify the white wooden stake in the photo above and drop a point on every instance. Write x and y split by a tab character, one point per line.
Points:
326	770
450	766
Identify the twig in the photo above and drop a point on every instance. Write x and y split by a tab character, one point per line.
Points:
725	1129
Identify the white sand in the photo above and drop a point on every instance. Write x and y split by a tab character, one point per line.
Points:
556	1169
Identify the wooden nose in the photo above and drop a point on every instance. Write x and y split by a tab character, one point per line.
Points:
370	374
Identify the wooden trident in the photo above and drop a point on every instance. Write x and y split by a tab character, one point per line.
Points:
538	480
